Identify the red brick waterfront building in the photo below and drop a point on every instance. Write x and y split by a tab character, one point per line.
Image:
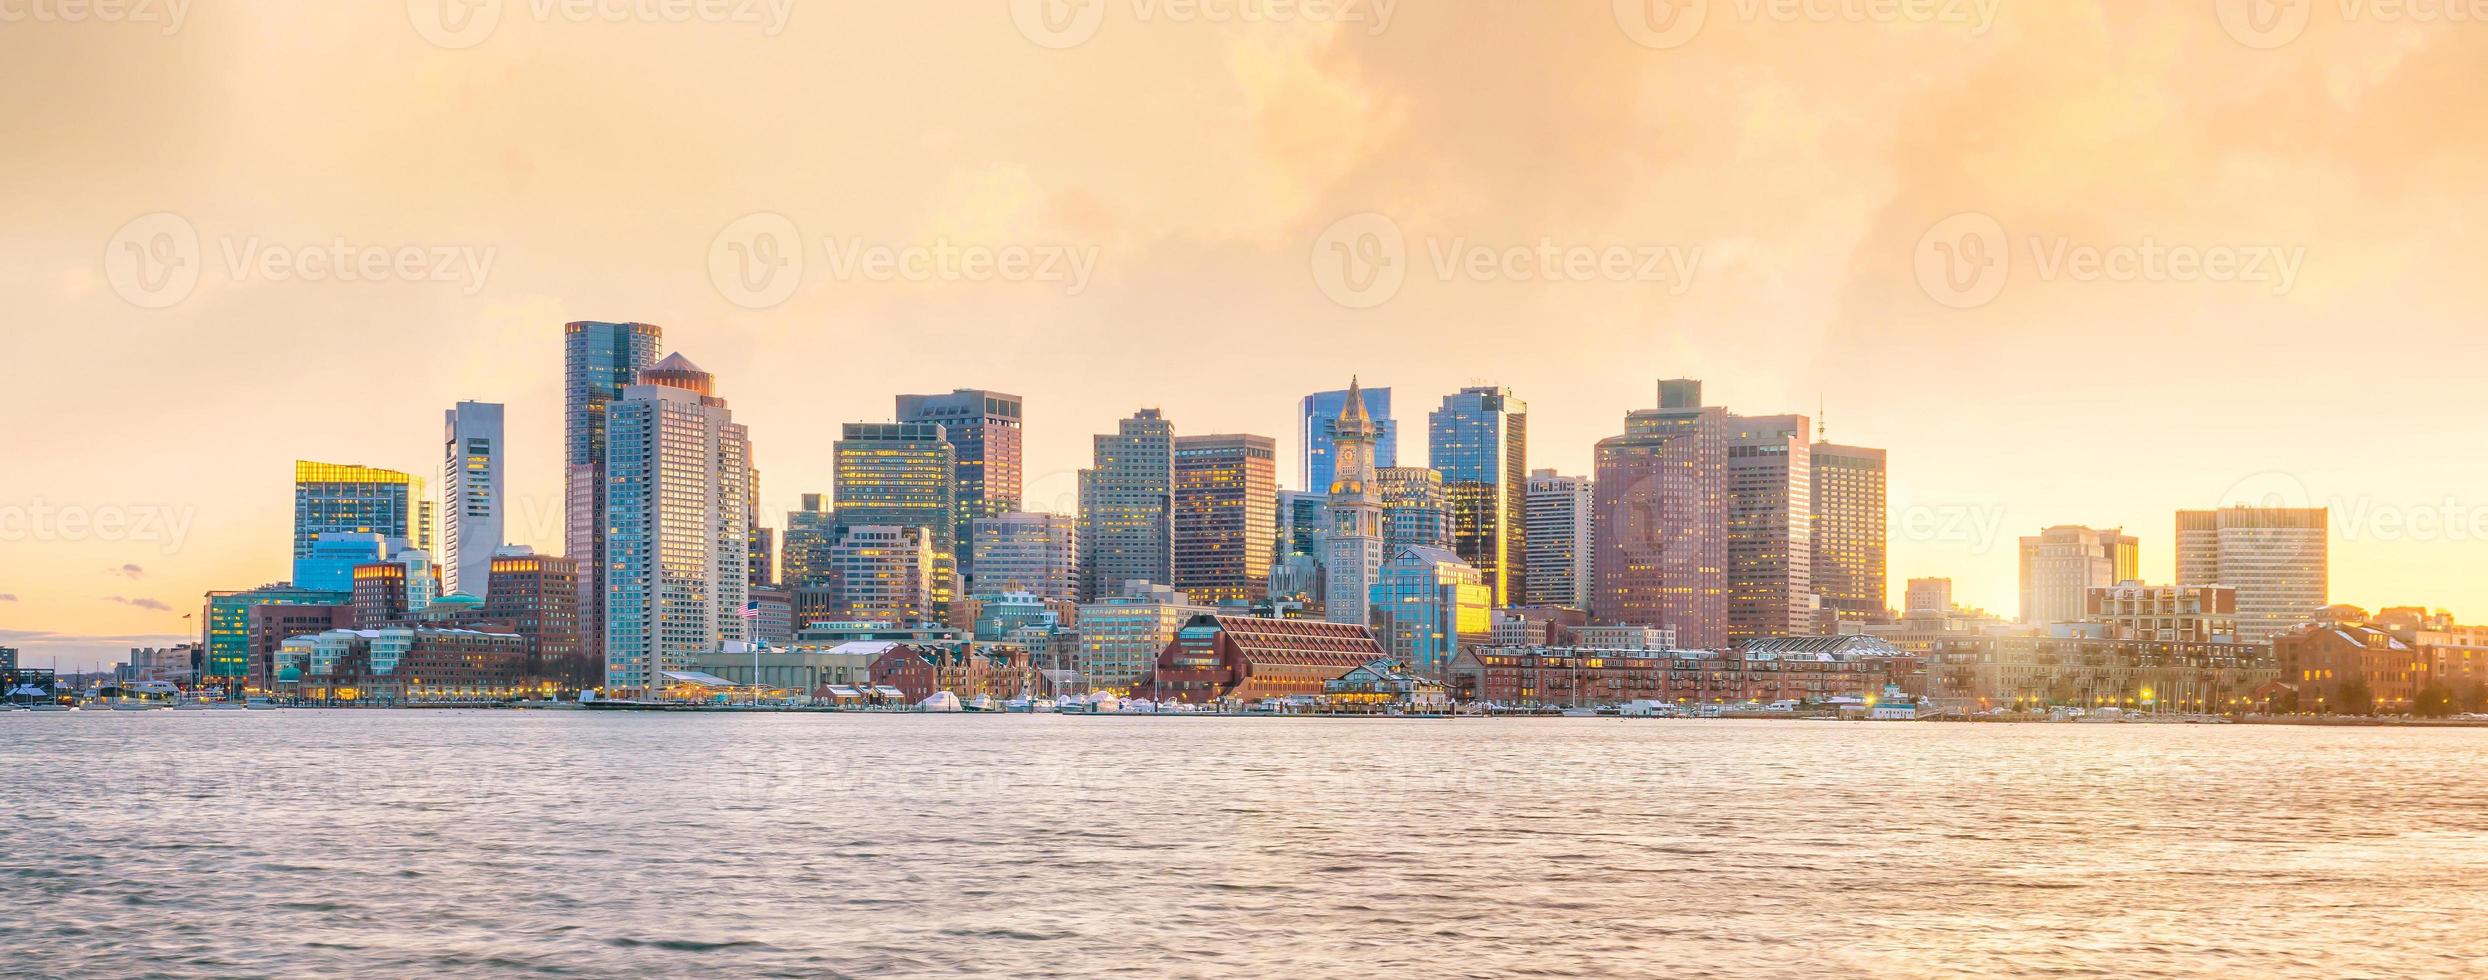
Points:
1798	668
964	669
2322	660
1248	658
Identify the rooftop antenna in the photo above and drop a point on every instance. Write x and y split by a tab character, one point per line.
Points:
1822	421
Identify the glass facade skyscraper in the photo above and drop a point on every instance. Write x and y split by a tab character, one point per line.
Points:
1479	442
678	478
899	474
1415	514
1320	418
471	496
350	498
983	428
1226	516
598	360
1127	507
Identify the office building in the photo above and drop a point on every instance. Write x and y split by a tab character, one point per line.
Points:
1122	634
1415	512
1037	554
900	475
1428	605
1304	522
1320	413
1929	597
805	548
395	591
1661	519
1127	506
2167	613
537	597
1559	520
599	360
884	573
335	554
2060	565
1770	527
983	428
2277	558
472	500
1479	442
1226	516
678	479
1356	543
355	499
228	635
1850	530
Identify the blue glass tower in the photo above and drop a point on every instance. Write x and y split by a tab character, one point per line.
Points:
1321	434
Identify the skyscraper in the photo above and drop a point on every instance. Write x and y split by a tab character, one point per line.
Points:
1320	415
1427	604
1479	441
1850	530
1662	520
2060	565
1034	553
899	474
2277	558
1226	516
1356	537
355	499
805	548
885	573
983	428
1127	507
471	496
538	596
677	481
1415	511
1561	539
1770	527
599	360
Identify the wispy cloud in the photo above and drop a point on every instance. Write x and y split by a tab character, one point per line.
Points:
131	572
142	603
8	597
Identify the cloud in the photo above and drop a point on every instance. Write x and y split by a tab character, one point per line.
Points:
142	603
8	597
131	572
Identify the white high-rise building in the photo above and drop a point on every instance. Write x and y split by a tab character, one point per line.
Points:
471	497
677	509
1027	552
1557	519
2277	558
1354	562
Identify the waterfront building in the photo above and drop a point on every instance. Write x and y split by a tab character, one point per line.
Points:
472	498
1479	442
677	472
1127	506
1025	552
1661	519
1973	671
1356	539
773	615
405	665
1320	413
1558	516
806	544
396	591
1427	605
983	429
2277	558
1806	669
2172	613
599	361
1244	659
1929	596
2062	564
1385	685
176	665
537	597
2327	663
352	498
1122	634
1850	552
1539	625
1623	637
1226	516
1770	485
2457	657
827	673
900	475
884	573
1415	511
334	555
999	616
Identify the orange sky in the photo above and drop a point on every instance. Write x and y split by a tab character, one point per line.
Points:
2237	261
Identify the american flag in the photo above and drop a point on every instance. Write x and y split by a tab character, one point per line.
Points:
751	610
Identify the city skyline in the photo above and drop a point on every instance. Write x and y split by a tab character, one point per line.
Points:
1791	312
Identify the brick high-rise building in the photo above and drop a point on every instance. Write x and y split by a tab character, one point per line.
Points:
1662	520
1851	530
1127	507
537	597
